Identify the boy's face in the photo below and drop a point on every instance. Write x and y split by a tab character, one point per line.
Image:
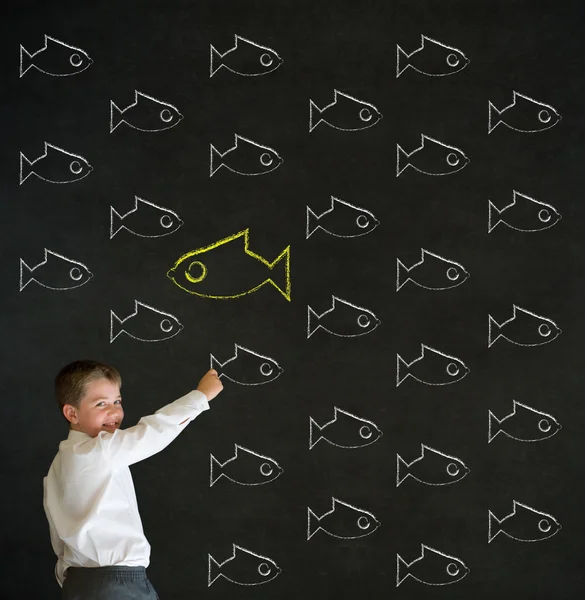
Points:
100	408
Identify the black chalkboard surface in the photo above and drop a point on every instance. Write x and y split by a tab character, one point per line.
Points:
368	216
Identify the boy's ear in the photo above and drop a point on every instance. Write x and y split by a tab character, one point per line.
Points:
70	413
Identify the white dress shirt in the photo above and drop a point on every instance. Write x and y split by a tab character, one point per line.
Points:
89	496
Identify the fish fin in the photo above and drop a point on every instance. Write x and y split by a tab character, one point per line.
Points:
25	270
214	467
283	261
214	157
401	473
310	314
401	567
401	156
26	61
314	424
313	523
491	420
314	107
115	325
401	363
491	338
213	571
312	222
491	209
401	54
402	275
214	59
115	116
491	519
116	220
25	167
493	112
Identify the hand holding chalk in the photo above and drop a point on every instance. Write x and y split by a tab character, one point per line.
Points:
210	384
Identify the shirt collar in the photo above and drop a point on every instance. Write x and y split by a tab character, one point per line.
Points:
77	435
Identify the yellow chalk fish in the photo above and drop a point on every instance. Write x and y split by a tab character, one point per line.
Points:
222	270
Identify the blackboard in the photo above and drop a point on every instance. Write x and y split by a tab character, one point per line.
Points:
433	147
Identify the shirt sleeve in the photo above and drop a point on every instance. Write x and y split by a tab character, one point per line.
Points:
56	541
153	432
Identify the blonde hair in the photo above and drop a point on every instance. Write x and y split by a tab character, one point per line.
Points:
72	380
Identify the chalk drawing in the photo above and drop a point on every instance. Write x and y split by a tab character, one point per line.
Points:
245	58
524	328
145	114
343	220
245	157
146	219
345	112
247	367
55	58
432	567
243	567
342	521
431	157
246	467
433	272
523	214
55	272
146	323
524	524
343	319
431	367
431	58
345	430
432	467
525	114
55	166
524	423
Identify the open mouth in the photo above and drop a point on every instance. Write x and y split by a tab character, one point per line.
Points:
109	424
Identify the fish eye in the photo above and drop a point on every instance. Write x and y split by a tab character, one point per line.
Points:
266	469
166	221
266	159
75	167
544	425
544	525
453	469
452	159
453	569
363	522
196	272
75	60
362	221
363	321
544	116
365	432
75	273
452	274
166	115
266	60
544	330
453	369
365	114
266	369
452	60
544	215
264	569
166	325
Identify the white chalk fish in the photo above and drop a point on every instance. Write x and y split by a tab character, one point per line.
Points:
342	521
56	272
55	166
344	430
431	568
432	272
524	423
343	319
342	220
523	214
345	112
55	58
524	524
431	58
243	568
247	367
245	468
431	157
431	367
431	468
146	323
146	219
245	58
525	114
145	114
524	328
245	157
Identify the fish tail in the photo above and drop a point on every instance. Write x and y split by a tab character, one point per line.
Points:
312	222
493	523
215	364
401	370
213	571
284	261
493	425
215	467
401	570
215	160
25	61
491	323
317	111
312	523
312	321
25	168
116	326
493	117
401	470
401	57
314	427
115	116
215	58
492	208
402	275
401	159
116	222
26	274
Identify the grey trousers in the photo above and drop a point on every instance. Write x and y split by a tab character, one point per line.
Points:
107	583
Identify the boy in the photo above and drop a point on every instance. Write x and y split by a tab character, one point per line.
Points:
89	496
